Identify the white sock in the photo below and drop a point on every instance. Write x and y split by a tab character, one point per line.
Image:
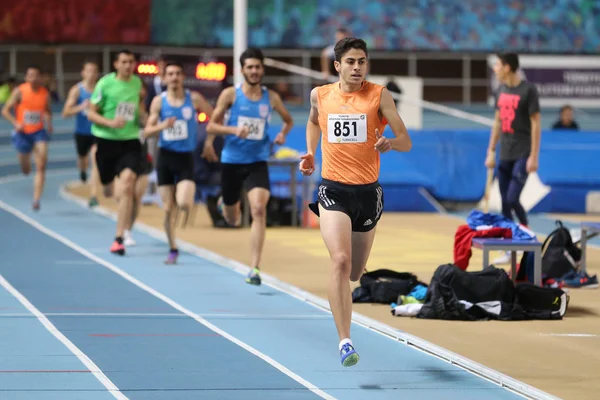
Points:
345	341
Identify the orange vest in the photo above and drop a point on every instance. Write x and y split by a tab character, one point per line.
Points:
348	122
30	110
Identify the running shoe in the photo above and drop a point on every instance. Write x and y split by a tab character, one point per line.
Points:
253	277
172	258
349	355
117	248
220	205
582	281
128	239
93	202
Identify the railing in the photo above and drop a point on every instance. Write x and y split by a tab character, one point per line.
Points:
469	76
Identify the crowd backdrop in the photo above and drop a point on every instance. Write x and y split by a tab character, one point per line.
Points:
533	26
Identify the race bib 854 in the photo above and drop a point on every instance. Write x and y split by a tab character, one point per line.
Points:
179	131
347	128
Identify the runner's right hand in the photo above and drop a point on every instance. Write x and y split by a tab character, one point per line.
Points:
307	164
242	132
84	104
209	153
170	121
118	122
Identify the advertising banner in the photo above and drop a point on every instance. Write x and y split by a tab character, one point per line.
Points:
559	80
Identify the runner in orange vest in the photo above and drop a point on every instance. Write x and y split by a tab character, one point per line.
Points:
352	115
33	126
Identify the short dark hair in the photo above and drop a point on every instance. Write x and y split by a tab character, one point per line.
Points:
344	45
123	51
36	67
86	62
510	59
173	64
565	108
252	53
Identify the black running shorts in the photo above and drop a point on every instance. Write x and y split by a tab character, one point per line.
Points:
83	144
114	156
362	203
173	167
234	177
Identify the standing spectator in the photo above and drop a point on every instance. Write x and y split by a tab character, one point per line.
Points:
393	87
328	55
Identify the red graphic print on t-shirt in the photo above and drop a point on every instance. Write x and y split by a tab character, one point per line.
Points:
508	103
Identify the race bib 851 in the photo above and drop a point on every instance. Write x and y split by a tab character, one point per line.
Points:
347	128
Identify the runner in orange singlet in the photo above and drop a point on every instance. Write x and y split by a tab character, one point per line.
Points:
352	114
33	127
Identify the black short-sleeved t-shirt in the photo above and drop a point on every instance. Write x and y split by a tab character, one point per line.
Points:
516	106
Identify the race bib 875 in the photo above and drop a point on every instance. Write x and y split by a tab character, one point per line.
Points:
126	110
347	128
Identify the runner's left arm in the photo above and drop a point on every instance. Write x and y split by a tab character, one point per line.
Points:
277	103
388	109
48	115
143	113
71	108
202	105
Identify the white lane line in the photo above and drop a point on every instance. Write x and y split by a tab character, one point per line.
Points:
166	299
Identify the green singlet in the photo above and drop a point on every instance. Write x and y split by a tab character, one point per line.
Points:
114	98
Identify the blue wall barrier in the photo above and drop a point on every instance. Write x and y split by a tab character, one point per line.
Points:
450	163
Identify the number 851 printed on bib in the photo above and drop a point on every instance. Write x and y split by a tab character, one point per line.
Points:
347	128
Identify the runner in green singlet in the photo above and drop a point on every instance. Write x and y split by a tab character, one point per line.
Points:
116	111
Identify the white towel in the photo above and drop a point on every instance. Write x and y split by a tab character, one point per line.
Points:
407	310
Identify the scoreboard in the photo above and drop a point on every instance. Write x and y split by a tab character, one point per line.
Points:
209	78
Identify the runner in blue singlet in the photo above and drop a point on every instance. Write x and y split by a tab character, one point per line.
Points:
173	116
243	114
76	105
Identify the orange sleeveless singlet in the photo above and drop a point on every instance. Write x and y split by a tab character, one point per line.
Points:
30	110
348	122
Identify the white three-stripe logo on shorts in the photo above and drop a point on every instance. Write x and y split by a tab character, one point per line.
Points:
323	196
379	209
